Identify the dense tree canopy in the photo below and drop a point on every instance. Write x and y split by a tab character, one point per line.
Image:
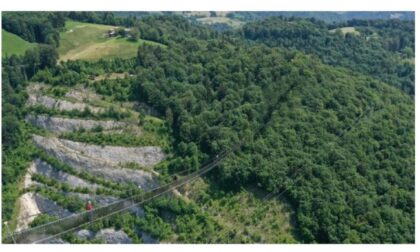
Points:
319	116
341	144
376	52
16	152
41	27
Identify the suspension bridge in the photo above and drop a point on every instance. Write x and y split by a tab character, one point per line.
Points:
57	228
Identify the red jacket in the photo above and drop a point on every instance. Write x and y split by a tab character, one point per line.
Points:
89	206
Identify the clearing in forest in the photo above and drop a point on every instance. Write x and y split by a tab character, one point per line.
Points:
89	42
346	30
221	20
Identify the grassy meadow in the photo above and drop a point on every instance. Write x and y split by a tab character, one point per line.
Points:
13	44
88	42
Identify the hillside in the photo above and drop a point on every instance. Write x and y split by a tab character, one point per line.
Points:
89	42
327	16
347	138
13	44
375	48
322	147
68	168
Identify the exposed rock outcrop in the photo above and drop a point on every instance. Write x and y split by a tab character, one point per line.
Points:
59	124
54	241
85	234
61	105
101	161
36	87
47	170
111	236
82	94
108	235
27	180
32	204
146	156
98	164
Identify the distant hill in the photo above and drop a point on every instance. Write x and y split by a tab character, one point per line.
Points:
225	20
13	44
327	16
392	41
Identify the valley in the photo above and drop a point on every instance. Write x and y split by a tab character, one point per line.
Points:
308	130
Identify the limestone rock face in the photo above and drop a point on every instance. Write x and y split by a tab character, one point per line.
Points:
145	156
104	161
82	94
107	162
37	98
85	234
111	236
27	180
45	169
54	241
61	105
59	125
32	204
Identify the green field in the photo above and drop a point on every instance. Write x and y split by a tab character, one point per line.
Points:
13	44
220	20
88	41
346	30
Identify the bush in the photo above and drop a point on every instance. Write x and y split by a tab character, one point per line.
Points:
42	219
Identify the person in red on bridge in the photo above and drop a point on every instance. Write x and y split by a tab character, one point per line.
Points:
89	206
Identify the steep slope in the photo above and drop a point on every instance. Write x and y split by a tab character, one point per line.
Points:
66	174
340	144
334	144
343	149
13	44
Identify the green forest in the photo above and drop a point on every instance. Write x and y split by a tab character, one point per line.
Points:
322	118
